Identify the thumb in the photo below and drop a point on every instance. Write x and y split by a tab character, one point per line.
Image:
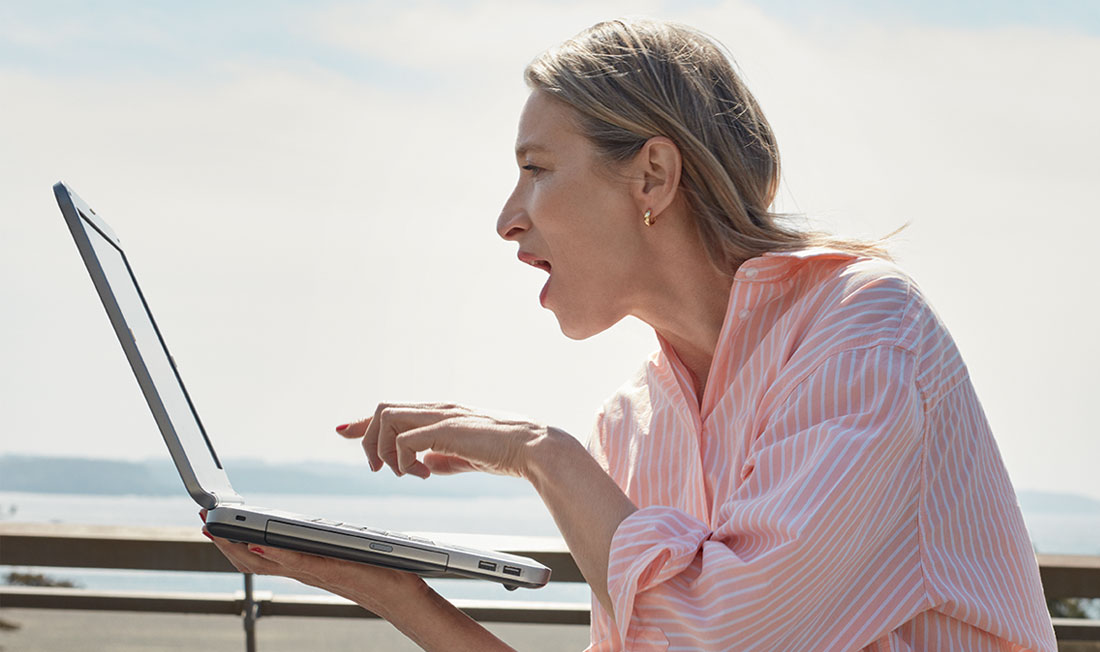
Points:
443	464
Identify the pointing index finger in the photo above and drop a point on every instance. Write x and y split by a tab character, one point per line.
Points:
355	429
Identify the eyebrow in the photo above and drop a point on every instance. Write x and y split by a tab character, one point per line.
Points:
523	148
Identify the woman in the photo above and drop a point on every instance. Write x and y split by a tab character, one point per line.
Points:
802	466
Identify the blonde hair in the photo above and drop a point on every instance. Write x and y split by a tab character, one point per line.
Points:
631	80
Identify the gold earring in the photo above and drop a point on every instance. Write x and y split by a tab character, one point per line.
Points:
648	217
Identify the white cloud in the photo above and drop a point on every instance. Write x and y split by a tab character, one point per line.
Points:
486	41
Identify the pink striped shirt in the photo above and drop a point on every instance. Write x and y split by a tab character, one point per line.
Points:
837	487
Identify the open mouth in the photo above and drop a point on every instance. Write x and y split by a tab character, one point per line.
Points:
542	264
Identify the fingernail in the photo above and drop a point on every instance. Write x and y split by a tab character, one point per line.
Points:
343	427
207	535
256	549
202	515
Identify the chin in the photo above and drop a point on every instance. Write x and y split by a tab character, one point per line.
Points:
580	329
575	334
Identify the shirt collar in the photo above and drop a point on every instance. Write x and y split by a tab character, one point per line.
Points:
775	266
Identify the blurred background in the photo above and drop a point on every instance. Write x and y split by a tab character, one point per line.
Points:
308	192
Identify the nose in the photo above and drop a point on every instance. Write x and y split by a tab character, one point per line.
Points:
513	220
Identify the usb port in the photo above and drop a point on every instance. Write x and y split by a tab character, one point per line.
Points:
486	565
511	570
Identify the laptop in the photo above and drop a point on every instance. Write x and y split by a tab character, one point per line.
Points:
201	470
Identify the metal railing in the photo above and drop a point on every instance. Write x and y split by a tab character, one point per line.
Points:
185	549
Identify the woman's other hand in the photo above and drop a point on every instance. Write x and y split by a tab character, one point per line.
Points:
457	439
379	590
403	599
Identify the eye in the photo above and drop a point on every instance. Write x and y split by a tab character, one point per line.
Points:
533	169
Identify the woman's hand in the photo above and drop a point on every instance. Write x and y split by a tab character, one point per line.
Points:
585	502
403	599
379	590
458	439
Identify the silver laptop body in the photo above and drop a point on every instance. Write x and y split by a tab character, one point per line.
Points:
198	464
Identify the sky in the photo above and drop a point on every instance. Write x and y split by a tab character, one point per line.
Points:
308	194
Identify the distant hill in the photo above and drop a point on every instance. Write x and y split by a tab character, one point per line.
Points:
74	475
1058	503
78	475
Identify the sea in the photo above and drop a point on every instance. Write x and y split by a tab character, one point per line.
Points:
1076	533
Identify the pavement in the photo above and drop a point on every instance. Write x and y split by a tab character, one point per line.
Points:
54	630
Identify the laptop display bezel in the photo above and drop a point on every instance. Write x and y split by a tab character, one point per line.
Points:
194	456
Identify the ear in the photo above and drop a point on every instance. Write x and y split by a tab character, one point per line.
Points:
657	169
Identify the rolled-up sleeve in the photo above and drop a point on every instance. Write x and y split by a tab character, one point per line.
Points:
816	547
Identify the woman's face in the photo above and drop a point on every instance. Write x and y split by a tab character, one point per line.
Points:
574	218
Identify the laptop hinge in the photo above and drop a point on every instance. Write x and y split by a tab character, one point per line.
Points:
224	500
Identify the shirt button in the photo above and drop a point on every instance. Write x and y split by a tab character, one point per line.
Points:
743	314
750	273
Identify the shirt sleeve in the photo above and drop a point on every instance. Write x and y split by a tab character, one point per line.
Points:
815	548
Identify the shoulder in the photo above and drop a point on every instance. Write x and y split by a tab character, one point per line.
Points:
631	401
628	409
851	302
839	303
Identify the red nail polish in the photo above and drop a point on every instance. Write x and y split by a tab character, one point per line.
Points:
256	549
343	427
202	515
207	535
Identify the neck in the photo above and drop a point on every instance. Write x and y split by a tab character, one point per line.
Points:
687	304
694	333
698	363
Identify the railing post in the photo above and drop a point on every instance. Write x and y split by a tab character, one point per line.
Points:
251	610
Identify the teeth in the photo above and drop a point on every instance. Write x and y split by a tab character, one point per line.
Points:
537	262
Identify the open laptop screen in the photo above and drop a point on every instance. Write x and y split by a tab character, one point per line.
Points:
187	441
